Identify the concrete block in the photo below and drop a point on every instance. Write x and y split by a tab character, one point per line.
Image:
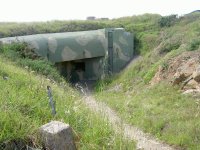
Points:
57	136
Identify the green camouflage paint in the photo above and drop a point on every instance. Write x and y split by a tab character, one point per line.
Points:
82	55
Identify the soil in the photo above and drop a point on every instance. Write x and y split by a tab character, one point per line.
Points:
183	70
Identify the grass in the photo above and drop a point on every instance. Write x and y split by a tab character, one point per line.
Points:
24	108
147	29
17	29
162	109
144	27
24	57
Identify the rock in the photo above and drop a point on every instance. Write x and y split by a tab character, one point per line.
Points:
158	76
192	84
57	136
196	74
192	91
179	78
179	69
186	69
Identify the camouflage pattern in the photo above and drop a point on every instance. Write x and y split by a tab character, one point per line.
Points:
84	55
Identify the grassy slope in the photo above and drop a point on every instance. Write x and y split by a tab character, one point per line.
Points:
16	29
161	109
144	27
24	108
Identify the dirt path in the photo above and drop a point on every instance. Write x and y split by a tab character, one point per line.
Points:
143	140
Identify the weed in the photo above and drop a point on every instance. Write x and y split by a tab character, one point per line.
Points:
168	21
25	57
161	110
194	45
24	108
165	65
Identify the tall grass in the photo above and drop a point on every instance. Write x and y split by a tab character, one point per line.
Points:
24	108
25	57
161	110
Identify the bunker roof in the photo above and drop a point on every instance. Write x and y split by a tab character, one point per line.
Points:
67	46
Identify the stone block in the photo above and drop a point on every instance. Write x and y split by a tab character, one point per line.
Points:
57	136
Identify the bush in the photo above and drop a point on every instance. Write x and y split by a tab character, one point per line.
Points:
26	57
167	21
170	46
194	45
20	50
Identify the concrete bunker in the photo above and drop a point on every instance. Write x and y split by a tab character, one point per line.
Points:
81	70
83	55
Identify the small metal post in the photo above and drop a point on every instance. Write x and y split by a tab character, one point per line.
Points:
51	102
110	52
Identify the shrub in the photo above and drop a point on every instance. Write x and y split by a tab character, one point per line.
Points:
26	57
194	45
167	21
170	46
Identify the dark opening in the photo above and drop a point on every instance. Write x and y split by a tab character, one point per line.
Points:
80	66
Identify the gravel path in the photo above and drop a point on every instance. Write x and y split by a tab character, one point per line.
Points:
143	140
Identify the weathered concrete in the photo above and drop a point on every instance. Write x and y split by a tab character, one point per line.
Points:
57	136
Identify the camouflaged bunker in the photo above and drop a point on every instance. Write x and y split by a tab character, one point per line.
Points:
84	55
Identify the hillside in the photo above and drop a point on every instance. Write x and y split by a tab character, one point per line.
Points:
24	107
143	94
161	108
